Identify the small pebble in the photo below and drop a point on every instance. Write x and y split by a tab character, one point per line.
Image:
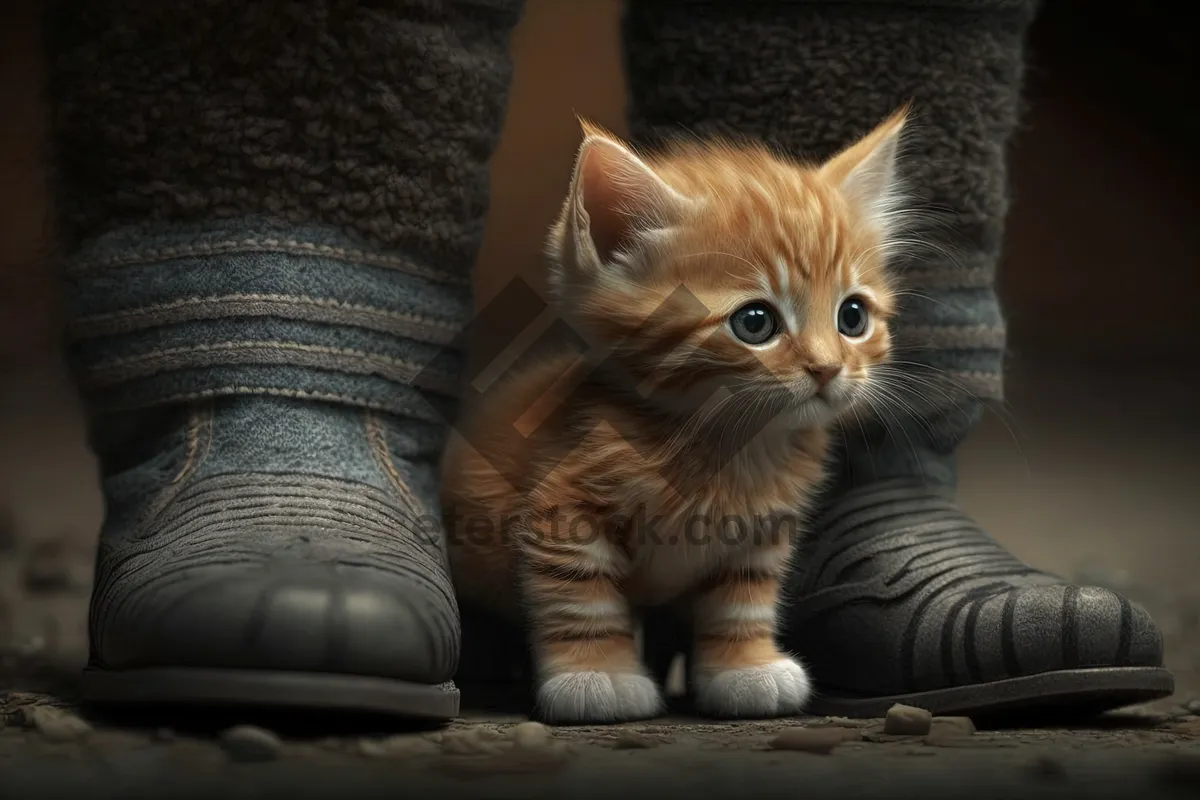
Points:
372	748
531	736
1193	707
56	724
165	735
821	741
951	727
902	720
251	743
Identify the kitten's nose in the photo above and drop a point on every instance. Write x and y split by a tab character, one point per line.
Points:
824	373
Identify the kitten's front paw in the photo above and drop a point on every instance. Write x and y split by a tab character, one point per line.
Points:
778	689
575	698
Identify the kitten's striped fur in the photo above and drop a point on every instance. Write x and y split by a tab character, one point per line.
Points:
732	224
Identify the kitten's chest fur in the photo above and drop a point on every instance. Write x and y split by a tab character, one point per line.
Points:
665	517
687	523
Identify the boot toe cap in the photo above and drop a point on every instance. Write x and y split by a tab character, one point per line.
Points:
313	578
293	617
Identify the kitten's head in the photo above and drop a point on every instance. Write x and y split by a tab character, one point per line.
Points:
721	265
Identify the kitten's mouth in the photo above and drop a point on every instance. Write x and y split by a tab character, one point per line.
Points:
826	403
820	397
820	402
814	403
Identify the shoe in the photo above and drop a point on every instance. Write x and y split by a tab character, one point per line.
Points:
266	289
900	597
268	551
268	442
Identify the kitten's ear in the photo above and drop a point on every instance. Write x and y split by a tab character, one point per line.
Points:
615	196
866	170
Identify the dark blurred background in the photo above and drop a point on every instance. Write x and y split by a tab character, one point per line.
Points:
1090	468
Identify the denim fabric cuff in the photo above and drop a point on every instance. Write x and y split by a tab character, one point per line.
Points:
168	314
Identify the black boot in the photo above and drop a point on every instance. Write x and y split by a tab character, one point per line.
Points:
899	596
269	213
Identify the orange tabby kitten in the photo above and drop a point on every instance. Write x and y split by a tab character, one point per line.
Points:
738	302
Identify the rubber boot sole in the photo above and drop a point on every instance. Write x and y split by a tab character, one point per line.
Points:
1082	691
271	690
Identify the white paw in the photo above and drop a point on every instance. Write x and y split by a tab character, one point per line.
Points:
778	689
575	698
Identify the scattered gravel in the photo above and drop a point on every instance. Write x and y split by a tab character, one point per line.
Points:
55	724
250	743
478	752
531	736
948	730
44	577
902	720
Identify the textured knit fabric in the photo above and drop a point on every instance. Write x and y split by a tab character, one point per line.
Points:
279	197
810	77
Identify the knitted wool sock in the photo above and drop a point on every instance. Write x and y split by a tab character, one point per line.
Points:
344	130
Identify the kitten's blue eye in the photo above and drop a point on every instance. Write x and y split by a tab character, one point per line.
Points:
852	318
754	323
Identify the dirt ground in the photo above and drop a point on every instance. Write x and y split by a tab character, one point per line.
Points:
1091	474
1063	477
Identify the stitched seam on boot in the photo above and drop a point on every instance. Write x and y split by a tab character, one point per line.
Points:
383	457
417	326
199	439
270	391
255	245
338	359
